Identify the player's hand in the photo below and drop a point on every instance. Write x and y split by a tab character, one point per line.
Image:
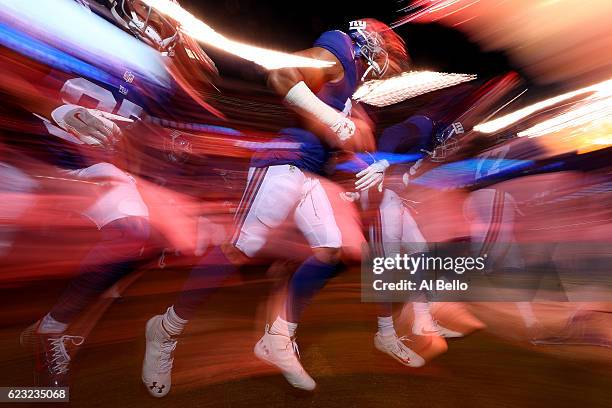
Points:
344	128
91	126
371	176
363	138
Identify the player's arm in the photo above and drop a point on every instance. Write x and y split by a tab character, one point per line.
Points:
283	80
298	86
17	81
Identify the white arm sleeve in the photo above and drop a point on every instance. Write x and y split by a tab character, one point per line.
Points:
301	97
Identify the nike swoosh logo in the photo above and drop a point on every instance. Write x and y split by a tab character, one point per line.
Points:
405	360
77	116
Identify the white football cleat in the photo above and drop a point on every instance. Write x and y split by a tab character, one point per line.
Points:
159	355
395	347
426	326
282	352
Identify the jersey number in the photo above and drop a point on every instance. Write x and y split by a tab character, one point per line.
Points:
484	168
72	92
74	89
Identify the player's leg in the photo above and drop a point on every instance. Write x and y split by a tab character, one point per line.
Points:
122	219
413	243
491	214
391	229
269	197
315	218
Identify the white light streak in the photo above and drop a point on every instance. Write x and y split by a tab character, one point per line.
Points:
86	36
195	28
405	86
593	107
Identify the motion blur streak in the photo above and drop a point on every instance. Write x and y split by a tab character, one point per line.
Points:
594	106
550	40
87	37
407	85
197	29
116	180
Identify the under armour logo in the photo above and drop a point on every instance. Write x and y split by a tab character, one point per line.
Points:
157	387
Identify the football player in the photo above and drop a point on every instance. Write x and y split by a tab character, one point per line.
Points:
392	227
85	118
420	142
282	182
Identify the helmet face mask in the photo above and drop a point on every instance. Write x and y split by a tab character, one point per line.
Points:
443	151
446	142
370	46
146	24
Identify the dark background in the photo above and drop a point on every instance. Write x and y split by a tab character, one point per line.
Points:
293	25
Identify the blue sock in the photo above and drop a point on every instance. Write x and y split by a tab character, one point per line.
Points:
305	283
213	269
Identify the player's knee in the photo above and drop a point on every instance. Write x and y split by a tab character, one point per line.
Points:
327	255
137	229
128	235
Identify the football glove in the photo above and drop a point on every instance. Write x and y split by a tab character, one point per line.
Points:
344	128
93	127
371	176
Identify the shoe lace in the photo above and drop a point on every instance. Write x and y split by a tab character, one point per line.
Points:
166	357
60	360
398	347
290	341
296	349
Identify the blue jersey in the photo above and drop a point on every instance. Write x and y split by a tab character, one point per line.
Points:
302	148
411	136
130	80
125	99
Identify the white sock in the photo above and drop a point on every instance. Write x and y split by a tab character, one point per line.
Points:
281	326
385	326
421	309
527	314
172	323
49	325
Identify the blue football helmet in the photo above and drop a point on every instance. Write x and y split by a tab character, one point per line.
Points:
145	23
370	46
446	142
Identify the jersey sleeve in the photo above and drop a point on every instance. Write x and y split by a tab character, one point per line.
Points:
409	136
340	45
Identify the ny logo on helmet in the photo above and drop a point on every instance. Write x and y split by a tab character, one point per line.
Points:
357	25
